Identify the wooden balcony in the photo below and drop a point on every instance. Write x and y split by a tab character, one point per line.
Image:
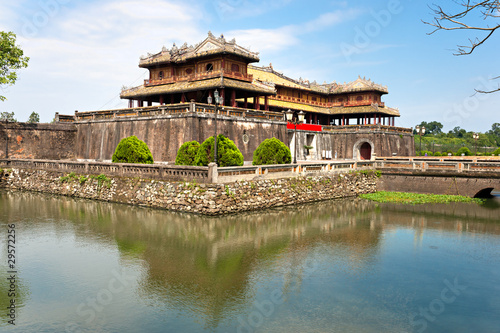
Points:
326	105
200	76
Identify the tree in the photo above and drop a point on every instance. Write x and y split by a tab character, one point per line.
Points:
132	150
187	153
433	128
272	151
488	11
227	152
11	59
34	118
8	116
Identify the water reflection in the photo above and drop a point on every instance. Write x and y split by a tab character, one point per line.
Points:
209	270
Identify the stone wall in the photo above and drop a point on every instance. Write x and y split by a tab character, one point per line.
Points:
37	141
97	139
347	143
471	184
208	199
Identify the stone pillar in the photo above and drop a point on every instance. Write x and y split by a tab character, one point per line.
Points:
213	175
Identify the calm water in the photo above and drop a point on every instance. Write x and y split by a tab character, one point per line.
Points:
338	266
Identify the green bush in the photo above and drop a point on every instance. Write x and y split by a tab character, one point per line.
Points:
187	153
438	153
227	152
497	152
464	150
272	151
132	150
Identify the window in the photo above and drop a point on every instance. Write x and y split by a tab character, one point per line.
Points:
235	68
160	75
209	67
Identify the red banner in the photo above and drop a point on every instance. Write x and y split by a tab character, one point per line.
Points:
305	127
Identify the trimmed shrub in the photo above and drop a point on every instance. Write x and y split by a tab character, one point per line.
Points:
464	150
227	152
272	151
497	152
187	153
132	150
438	153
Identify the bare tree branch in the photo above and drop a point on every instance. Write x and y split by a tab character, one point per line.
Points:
488	10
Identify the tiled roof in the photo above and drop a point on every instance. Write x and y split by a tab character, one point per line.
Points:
374	108
210	46
268	74
186	86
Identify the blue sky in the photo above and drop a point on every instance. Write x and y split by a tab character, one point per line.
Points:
83	52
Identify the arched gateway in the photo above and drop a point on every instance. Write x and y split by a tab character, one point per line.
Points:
363	150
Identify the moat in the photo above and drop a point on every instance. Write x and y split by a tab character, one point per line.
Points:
334	266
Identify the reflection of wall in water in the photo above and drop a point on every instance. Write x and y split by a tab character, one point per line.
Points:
205	260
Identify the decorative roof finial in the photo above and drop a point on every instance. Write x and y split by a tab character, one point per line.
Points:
210	34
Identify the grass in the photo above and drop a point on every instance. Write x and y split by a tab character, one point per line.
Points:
416	198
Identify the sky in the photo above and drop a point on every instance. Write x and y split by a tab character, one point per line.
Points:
83	52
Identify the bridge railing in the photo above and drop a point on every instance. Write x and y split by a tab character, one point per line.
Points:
438	164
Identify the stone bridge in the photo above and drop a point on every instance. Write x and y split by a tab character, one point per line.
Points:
472	178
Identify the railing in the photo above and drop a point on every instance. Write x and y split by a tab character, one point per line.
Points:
231	174
370	128
148	171
199	76
327	104
172	109
435	164
210	174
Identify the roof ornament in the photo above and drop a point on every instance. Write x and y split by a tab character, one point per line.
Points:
271	65
210	34
232	41
222	39
173	50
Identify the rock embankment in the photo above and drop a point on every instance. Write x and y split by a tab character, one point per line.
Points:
208	199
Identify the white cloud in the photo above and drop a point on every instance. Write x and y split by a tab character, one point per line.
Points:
283	37
82	57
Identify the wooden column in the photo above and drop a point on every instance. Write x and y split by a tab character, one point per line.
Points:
379	119
233	98
223	95
343	120
150	102
266	103
161	100
246	101
139	103
256	102
315	118
364	122
130	103
183	98
172	100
